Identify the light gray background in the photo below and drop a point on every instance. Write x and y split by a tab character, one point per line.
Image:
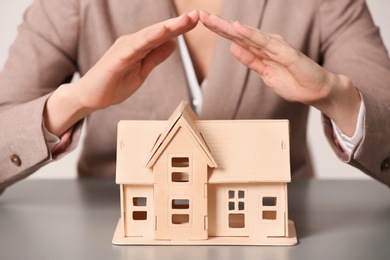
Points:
326	164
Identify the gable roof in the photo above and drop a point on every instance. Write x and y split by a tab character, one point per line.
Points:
246	151
184	116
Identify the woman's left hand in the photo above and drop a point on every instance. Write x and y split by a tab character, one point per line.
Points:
289	73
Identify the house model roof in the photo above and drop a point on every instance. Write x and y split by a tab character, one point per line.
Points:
187	117
239	151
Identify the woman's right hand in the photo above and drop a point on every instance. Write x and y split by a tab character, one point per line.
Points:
117	75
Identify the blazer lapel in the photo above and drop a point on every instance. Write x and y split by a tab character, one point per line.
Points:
227	77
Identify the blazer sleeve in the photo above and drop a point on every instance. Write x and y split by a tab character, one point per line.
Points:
352	45
42	58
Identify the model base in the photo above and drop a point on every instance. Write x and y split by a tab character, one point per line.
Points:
291	240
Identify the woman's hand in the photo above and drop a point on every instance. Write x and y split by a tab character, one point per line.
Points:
290	73
117	75
125	66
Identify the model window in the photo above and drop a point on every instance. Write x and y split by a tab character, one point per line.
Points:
180	169
236	220
180	177
269	211
231	194
269	201
140	215
180	162
241	205
180	204
236	199
180	211
236	208
139	201
139	208
269	214
180	219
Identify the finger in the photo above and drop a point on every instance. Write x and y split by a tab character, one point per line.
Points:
130	49
227	30
157	34
223	27
252	37
260	53
248	58
218	25
273	45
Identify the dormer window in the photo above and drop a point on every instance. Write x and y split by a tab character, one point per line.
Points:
180	169
180	162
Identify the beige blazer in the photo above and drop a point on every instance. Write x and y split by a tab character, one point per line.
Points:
58	38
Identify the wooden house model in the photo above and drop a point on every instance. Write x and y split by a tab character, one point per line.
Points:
207	182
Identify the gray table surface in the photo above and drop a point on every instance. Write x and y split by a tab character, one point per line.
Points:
75	219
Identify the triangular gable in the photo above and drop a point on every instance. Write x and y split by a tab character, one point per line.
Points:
185	114
172	120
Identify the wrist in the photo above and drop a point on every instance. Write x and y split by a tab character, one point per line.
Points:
341	104
63	109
